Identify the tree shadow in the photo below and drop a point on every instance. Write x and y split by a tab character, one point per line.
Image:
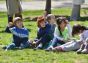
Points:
3	31
84	18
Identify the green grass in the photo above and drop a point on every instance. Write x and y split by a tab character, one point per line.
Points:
39	56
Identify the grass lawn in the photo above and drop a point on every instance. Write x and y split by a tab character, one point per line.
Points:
39	56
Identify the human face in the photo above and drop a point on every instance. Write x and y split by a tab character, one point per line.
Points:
52	21
19	24
63	25
42	24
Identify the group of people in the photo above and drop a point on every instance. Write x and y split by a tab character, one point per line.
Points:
53	34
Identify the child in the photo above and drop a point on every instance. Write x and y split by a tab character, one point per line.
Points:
13	8
50	18
83	31
74	45
44	33
62	34
20	35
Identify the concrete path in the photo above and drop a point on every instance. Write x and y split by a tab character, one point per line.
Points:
38	5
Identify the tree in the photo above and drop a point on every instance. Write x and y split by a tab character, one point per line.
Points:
76	9
48	7
75	12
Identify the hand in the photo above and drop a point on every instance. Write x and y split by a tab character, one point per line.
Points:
10	24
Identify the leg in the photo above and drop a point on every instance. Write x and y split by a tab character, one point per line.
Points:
18	15
54	42
25	45
85	50
71	46
81	48
10	18
11	46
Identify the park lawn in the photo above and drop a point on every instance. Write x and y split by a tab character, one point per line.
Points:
39	56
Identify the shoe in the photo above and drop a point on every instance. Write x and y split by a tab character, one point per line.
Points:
4	47
49	49
85	50
81	48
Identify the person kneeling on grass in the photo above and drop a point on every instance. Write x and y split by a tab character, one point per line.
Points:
20	35
44	34
81	46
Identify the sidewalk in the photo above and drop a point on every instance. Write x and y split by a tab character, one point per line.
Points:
40	5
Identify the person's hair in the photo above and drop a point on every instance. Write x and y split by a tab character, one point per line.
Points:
59	20
17	19
48	17
39	20
77	28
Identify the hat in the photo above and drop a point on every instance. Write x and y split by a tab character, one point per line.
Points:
17	19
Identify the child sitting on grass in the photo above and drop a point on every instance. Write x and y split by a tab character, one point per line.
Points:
62	32
44	34
83	32
20	35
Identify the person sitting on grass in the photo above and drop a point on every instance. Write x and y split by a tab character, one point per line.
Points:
81	44
62	32
44	34
20	35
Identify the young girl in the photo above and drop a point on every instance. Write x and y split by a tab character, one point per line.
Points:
20	35
44	33
62	34
74	45
83	32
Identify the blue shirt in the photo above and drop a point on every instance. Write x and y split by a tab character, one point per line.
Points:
19	35
44	34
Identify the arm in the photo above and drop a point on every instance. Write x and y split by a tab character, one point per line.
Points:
47	36
69	30
18	33
57	35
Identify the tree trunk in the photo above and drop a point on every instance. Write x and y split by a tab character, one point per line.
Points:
75	12
48	7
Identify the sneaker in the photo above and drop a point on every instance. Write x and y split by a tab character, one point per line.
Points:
4	47
49	48
81	48
85	50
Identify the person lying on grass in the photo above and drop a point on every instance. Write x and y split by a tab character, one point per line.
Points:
81	44
44	34
20	35
62	32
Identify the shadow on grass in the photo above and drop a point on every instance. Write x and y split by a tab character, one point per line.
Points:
85	18
3	31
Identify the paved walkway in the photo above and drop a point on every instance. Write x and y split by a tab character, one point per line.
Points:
38	5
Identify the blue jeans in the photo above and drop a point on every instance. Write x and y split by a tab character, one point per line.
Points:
22	45
56	42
